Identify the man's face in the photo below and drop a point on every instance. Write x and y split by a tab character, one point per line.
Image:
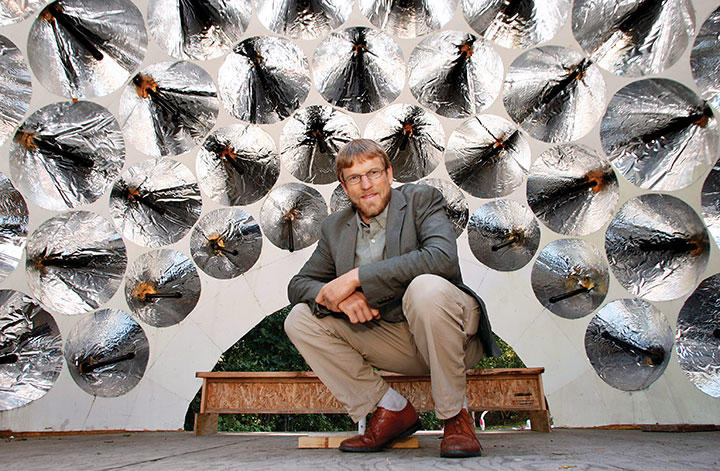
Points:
367	195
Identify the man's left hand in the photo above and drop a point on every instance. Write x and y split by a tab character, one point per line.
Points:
338	289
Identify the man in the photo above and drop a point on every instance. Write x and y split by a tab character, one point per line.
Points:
383	290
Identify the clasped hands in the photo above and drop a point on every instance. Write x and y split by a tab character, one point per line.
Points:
341	295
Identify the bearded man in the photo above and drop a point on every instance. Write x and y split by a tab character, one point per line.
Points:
383	290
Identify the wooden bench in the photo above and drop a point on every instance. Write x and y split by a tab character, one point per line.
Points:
516	389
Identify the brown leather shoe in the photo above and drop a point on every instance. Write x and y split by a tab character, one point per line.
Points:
385	426
459	439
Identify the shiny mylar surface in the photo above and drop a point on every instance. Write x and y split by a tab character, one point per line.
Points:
75	262
657	247
162	287
107	353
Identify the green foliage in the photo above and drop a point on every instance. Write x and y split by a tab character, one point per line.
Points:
267	348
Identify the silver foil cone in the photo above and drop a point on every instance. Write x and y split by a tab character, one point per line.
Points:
86	48
697	341
629	343
168	108
198	29
107	353
66	154
570	278
15	87
303	19
488	156
503	235
408	19
657	247
226	243
705	60
291	216
359	69
264	79
572	189
75	262
162	287
555	93
659	134
30	350
455	74
156	202
14	219
237	164
636	37
516	24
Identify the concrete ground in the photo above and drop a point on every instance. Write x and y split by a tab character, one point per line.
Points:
514	450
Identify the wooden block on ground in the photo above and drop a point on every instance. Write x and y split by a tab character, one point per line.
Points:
206	424
333	441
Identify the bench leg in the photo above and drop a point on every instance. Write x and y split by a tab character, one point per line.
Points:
540	421
206	424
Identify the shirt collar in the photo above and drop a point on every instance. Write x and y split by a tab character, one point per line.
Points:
380	219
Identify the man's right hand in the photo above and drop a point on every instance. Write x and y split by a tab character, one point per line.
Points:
357	308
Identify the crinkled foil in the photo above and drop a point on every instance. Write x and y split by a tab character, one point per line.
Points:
359	69
291	216
66	154
570	278
572	189
413	138
226	243
106	353
657	247
504	235
15	87
86	48
75	262
13	226
629	343
162	287
659	134
488	156
698	337
555	93
168	108
156	202
408	19
303	19
13	11
710	201
516	24
310	142
456	205
198	29
264	79
705	60
339	199
30	350
237	164
635	37
455	74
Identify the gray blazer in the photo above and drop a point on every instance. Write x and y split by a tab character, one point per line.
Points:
418	239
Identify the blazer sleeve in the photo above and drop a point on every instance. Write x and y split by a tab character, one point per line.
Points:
317	271
436	253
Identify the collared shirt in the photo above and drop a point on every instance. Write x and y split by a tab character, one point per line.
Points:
370	243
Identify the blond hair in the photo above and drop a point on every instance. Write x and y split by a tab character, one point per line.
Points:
359	150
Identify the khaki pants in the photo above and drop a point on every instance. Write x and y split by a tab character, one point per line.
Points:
438	338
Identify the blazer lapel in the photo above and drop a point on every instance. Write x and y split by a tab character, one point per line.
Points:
396	214
346	248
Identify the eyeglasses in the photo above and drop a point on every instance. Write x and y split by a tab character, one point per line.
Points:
372	175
